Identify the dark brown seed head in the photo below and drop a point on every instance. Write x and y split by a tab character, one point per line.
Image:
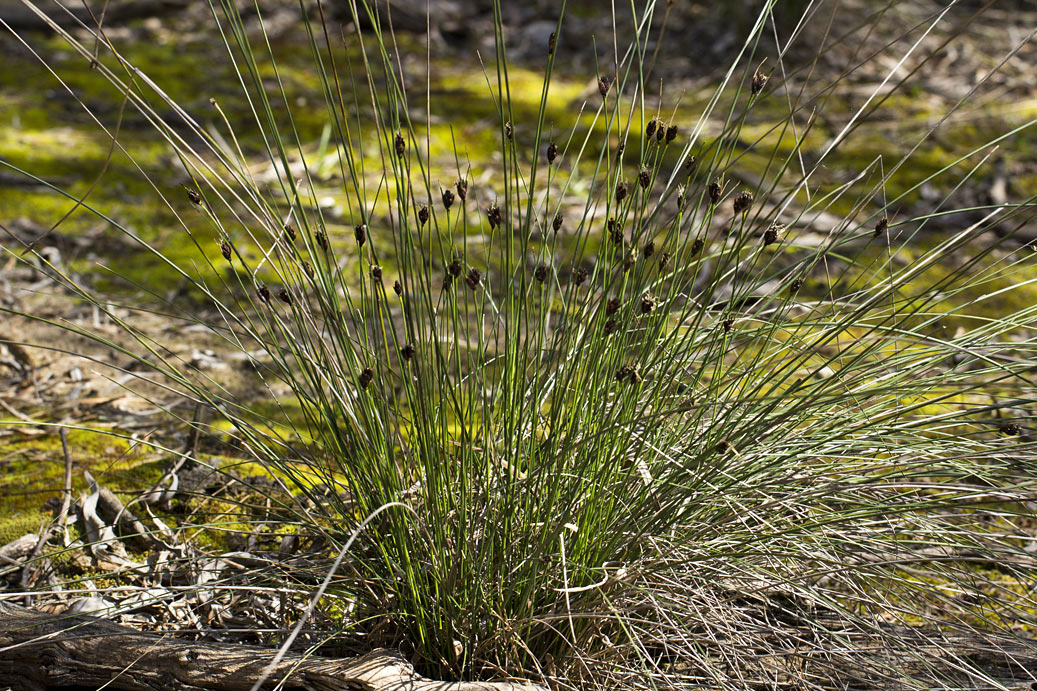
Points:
610	326
552	152
664	260
650	128
321	240
423	214
724	446
397	288
648	250
728	324
671	133
474	278
401	145
615	232
194	196
689	164
644	177
1011	429
660	133
308	268
264	293
448	199
648	303
552	41
360	233
540	273
290	233
456	267
556	224
628	374
365	378
493	215
284	296
225	249
716	190
580	275
743	200
603	85
770	236
696	247
508	131
796	284
619	152
376	272
759	81
407	352
621	190
612	306
882	226
462	189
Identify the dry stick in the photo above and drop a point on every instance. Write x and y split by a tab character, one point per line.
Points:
17	350
18	414
46	532
67	501
24	361
196	431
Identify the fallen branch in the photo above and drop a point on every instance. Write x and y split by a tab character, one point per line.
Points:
42	651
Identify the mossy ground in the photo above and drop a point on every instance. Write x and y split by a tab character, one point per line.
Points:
139	185
46	131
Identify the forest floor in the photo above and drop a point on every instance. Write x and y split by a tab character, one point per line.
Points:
219	559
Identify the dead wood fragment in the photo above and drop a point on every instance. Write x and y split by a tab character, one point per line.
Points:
14	551
43	651
20	355
129	526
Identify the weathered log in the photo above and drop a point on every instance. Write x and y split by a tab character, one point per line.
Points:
46	651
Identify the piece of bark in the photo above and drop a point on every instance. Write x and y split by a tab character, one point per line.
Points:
14	554
125	521
16	550
41	651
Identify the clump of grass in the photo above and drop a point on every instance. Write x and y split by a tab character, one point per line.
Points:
652	428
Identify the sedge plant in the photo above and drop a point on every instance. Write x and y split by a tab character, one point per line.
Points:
657	420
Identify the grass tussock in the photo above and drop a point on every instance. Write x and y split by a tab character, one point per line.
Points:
612	409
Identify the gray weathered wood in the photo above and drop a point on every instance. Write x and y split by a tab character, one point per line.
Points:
39	651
